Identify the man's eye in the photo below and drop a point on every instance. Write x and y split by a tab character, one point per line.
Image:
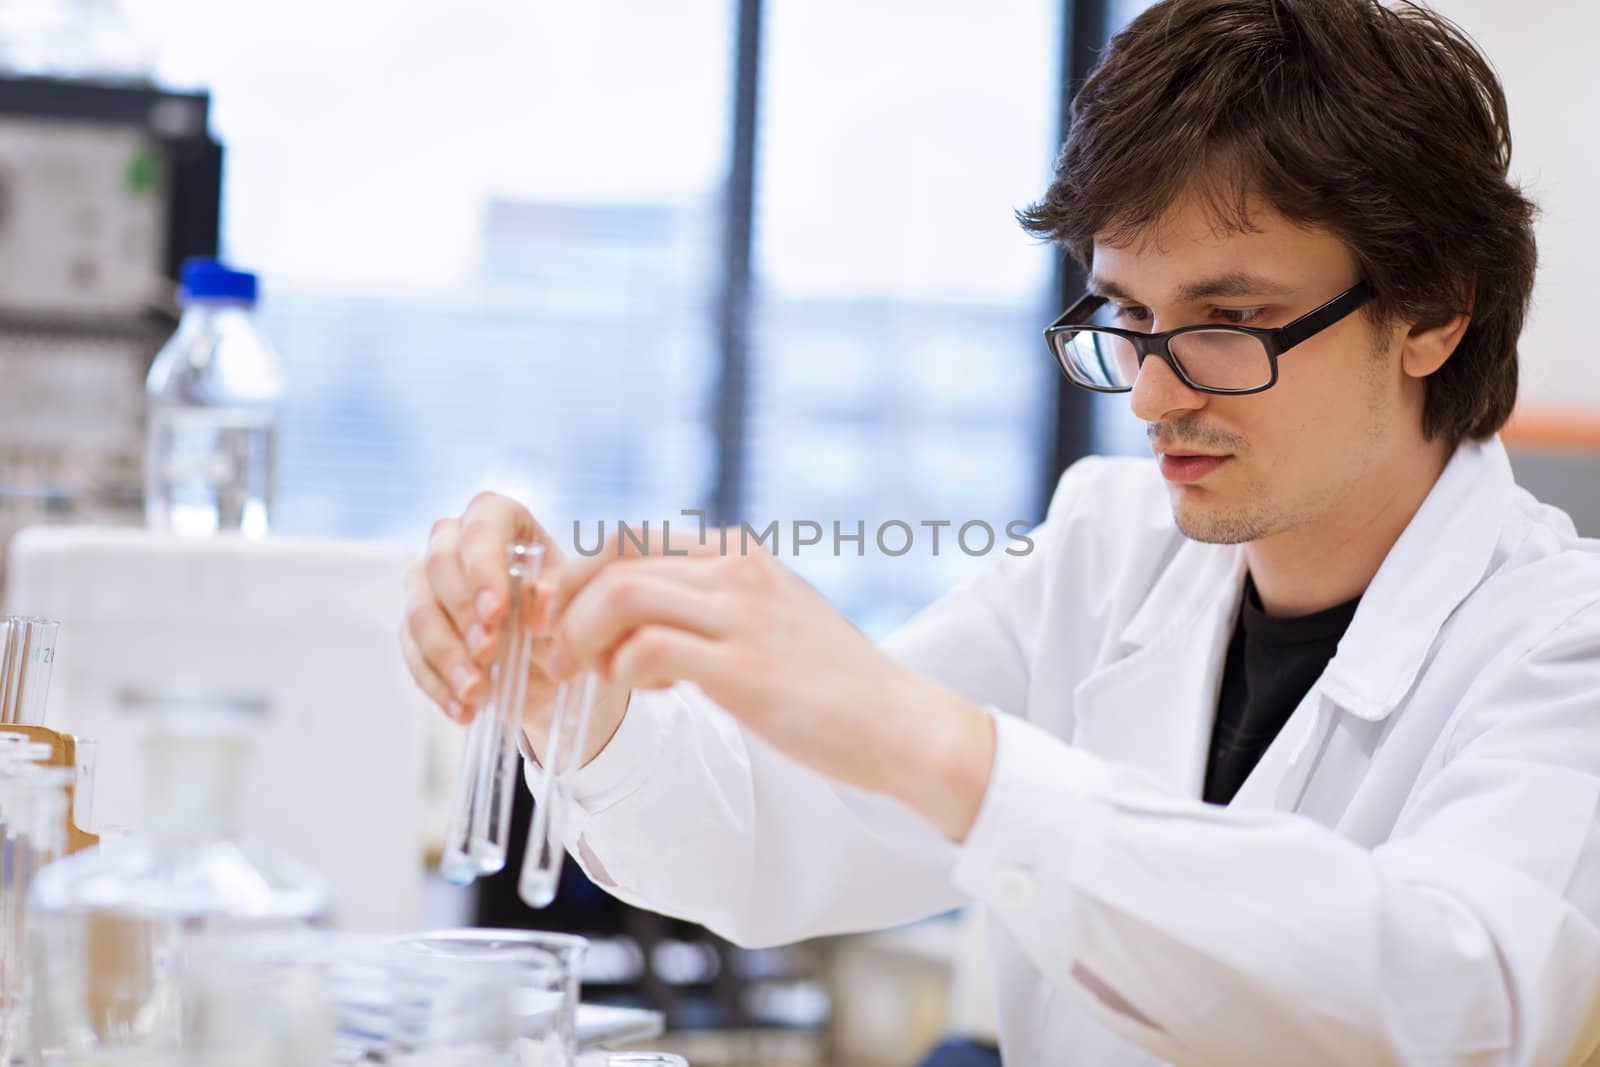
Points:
1238	316
1133	316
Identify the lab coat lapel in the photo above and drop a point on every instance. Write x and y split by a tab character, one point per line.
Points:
1153	706
1279	780
1399	618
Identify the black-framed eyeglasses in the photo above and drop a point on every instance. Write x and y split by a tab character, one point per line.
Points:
1228	360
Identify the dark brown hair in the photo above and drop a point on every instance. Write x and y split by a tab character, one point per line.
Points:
1386	127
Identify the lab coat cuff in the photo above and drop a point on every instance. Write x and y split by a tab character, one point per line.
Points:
629	757
619	768
1008	850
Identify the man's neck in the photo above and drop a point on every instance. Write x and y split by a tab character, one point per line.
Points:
1327	562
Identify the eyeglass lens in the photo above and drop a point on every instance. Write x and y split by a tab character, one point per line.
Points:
1215	359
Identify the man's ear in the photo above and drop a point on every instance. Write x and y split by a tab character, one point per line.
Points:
1431	342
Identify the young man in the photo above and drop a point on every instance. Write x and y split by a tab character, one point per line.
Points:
1283	750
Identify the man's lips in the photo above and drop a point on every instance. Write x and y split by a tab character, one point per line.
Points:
1188	467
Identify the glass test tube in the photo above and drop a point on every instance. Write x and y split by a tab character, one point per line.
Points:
10	634
479	830
563	754
27	656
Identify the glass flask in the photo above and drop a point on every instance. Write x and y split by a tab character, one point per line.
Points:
33	812
111	927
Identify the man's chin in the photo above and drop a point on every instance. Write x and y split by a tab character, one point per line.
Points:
1214	525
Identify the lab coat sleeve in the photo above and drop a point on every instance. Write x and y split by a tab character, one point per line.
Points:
1208	935
688	813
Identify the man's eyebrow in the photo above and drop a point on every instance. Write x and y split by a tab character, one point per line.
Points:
1232	284
1108	289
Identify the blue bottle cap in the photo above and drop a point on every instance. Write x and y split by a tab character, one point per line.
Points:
209	279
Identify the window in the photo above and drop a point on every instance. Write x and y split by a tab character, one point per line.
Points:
489	239
897	371
485	234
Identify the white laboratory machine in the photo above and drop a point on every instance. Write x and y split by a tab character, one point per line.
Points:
304	630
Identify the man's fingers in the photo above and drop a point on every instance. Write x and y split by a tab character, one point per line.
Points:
702	568
555	594
441	646
655	657
493	523
428	679
623	598
448	585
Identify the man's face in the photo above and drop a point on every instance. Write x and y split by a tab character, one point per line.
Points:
1292	455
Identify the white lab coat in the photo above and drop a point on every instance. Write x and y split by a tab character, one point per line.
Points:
1410	876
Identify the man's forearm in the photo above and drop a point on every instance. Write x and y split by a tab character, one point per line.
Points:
942	769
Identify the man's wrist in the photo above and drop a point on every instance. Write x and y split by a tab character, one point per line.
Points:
605	719
951	756
611	707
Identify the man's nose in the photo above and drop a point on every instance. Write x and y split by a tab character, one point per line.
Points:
1158	392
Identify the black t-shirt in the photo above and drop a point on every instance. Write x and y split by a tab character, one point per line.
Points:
1272	664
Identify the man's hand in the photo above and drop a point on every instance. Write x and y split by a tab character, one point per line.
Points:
456	601
767	647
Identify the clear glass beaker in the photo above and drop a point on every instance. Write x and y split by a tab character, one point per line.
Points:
335	999
461	1002
546	1000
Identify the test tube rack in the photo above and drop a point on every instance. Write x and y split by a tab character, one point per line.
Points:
63	753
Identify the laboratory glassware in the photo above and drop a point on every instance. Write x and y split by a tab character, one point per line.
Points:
33	808
478	832
436	1000
87	758
563	754
9	637
546	1000
478	1002
479	829
27	656
381	998
110	926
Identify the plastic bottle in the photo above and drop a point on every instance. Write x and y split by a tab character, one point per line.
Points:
113	928
212	405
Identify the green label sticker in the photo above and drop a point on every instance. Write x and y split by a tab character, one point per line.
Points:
144	171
